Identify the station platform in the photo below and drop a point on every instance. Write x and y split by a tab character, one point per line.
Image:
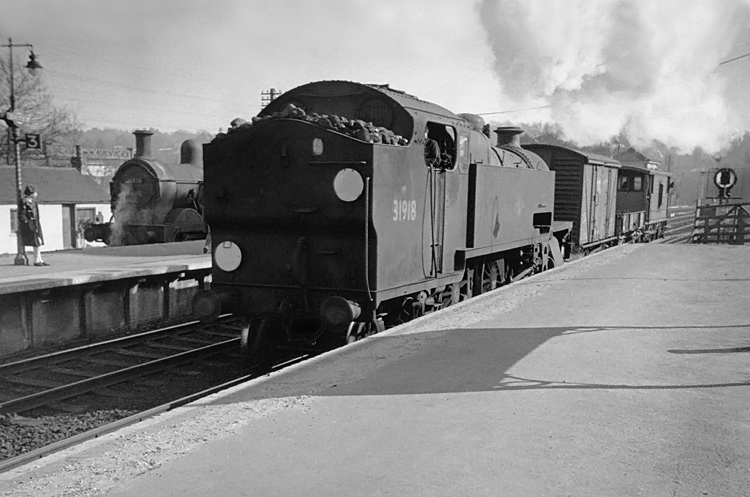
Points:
625	373
93	293
70	267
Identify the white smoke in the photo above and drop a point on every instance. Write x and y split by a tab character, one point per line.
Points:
127	213
647	68
121	216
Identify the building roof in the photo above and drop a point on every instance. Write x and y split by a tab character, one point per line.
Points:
55	185
631	157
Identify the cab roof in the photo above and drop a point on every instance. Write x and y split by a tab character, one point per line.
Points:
340	88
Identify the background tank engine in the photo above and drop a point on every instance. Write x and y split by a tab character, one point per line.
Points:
153	202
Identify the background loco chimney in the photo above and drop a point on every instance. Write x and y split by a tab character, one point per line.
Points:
143	143
509	136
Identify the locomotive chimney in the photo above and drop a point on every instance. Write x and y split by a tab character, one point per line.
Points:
143	143
509	136
191	152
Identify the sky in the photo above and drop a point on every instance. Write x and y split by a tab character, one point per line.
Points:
648	69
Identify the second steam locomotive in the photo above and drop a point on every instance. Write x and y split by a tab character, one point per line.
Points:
154	202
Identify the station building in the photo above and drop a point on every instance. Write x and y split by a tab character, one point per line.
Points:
67	201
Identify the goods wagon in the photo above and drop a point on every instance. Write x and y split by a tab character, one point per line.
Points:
585	194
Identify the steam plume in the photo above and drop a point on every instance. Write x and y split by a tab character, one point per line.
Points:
121	216
126	214
645	68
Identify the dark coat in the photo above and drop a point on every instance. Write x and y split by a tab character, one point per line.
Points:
432	153
30	227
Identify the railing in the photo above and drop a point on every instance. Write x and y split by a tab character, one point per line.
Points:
722	223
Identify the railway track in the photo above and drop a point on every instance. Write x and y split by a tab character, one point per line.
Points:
54	401
48	380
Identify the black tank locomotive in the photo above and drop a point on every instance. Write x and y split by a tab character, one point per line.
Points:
328	223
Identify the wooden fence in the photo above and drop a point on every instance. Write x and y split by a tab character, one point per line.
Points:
722	223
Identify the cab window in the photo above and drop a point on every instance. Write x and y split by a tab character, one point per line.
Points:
638	184
445	138
630	183
624	183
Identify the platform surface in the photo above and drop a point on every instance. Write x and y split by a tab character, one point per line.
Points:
69	267
626	373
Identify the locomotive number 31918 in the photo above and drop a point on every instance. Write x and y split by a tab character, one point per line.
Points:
404	210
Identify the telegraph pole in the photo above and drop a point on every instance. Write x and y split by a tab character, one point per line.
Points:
266	97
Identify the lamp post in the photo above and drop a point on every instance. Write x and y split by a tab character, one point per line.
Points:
11	120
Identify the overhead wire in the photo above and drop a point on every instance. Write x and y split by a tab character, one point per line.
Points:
734	58
512	111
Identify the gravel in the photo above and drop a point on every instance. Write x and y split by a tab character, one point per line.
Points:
136	450
41	427
20	434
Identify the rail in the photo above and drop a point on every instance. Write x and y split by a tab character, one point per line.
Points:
134	356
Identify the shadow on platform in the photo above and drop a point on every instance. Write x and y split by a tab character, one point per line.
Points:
450	361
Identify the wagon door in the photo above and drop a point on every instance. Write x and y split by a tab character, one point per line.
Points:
611	209
594	217
587	206
601	202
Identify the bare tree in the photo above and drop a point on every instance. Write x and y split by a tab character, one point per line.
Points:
57	125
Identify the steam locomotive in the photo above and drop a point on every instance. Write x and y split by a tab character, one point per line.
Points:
329	222
153	202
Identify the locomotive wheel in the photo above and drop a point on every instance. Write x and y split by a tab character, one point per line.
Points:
460	291
408	310
556	256
479	279
256	345
493	276
489	276
356	331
